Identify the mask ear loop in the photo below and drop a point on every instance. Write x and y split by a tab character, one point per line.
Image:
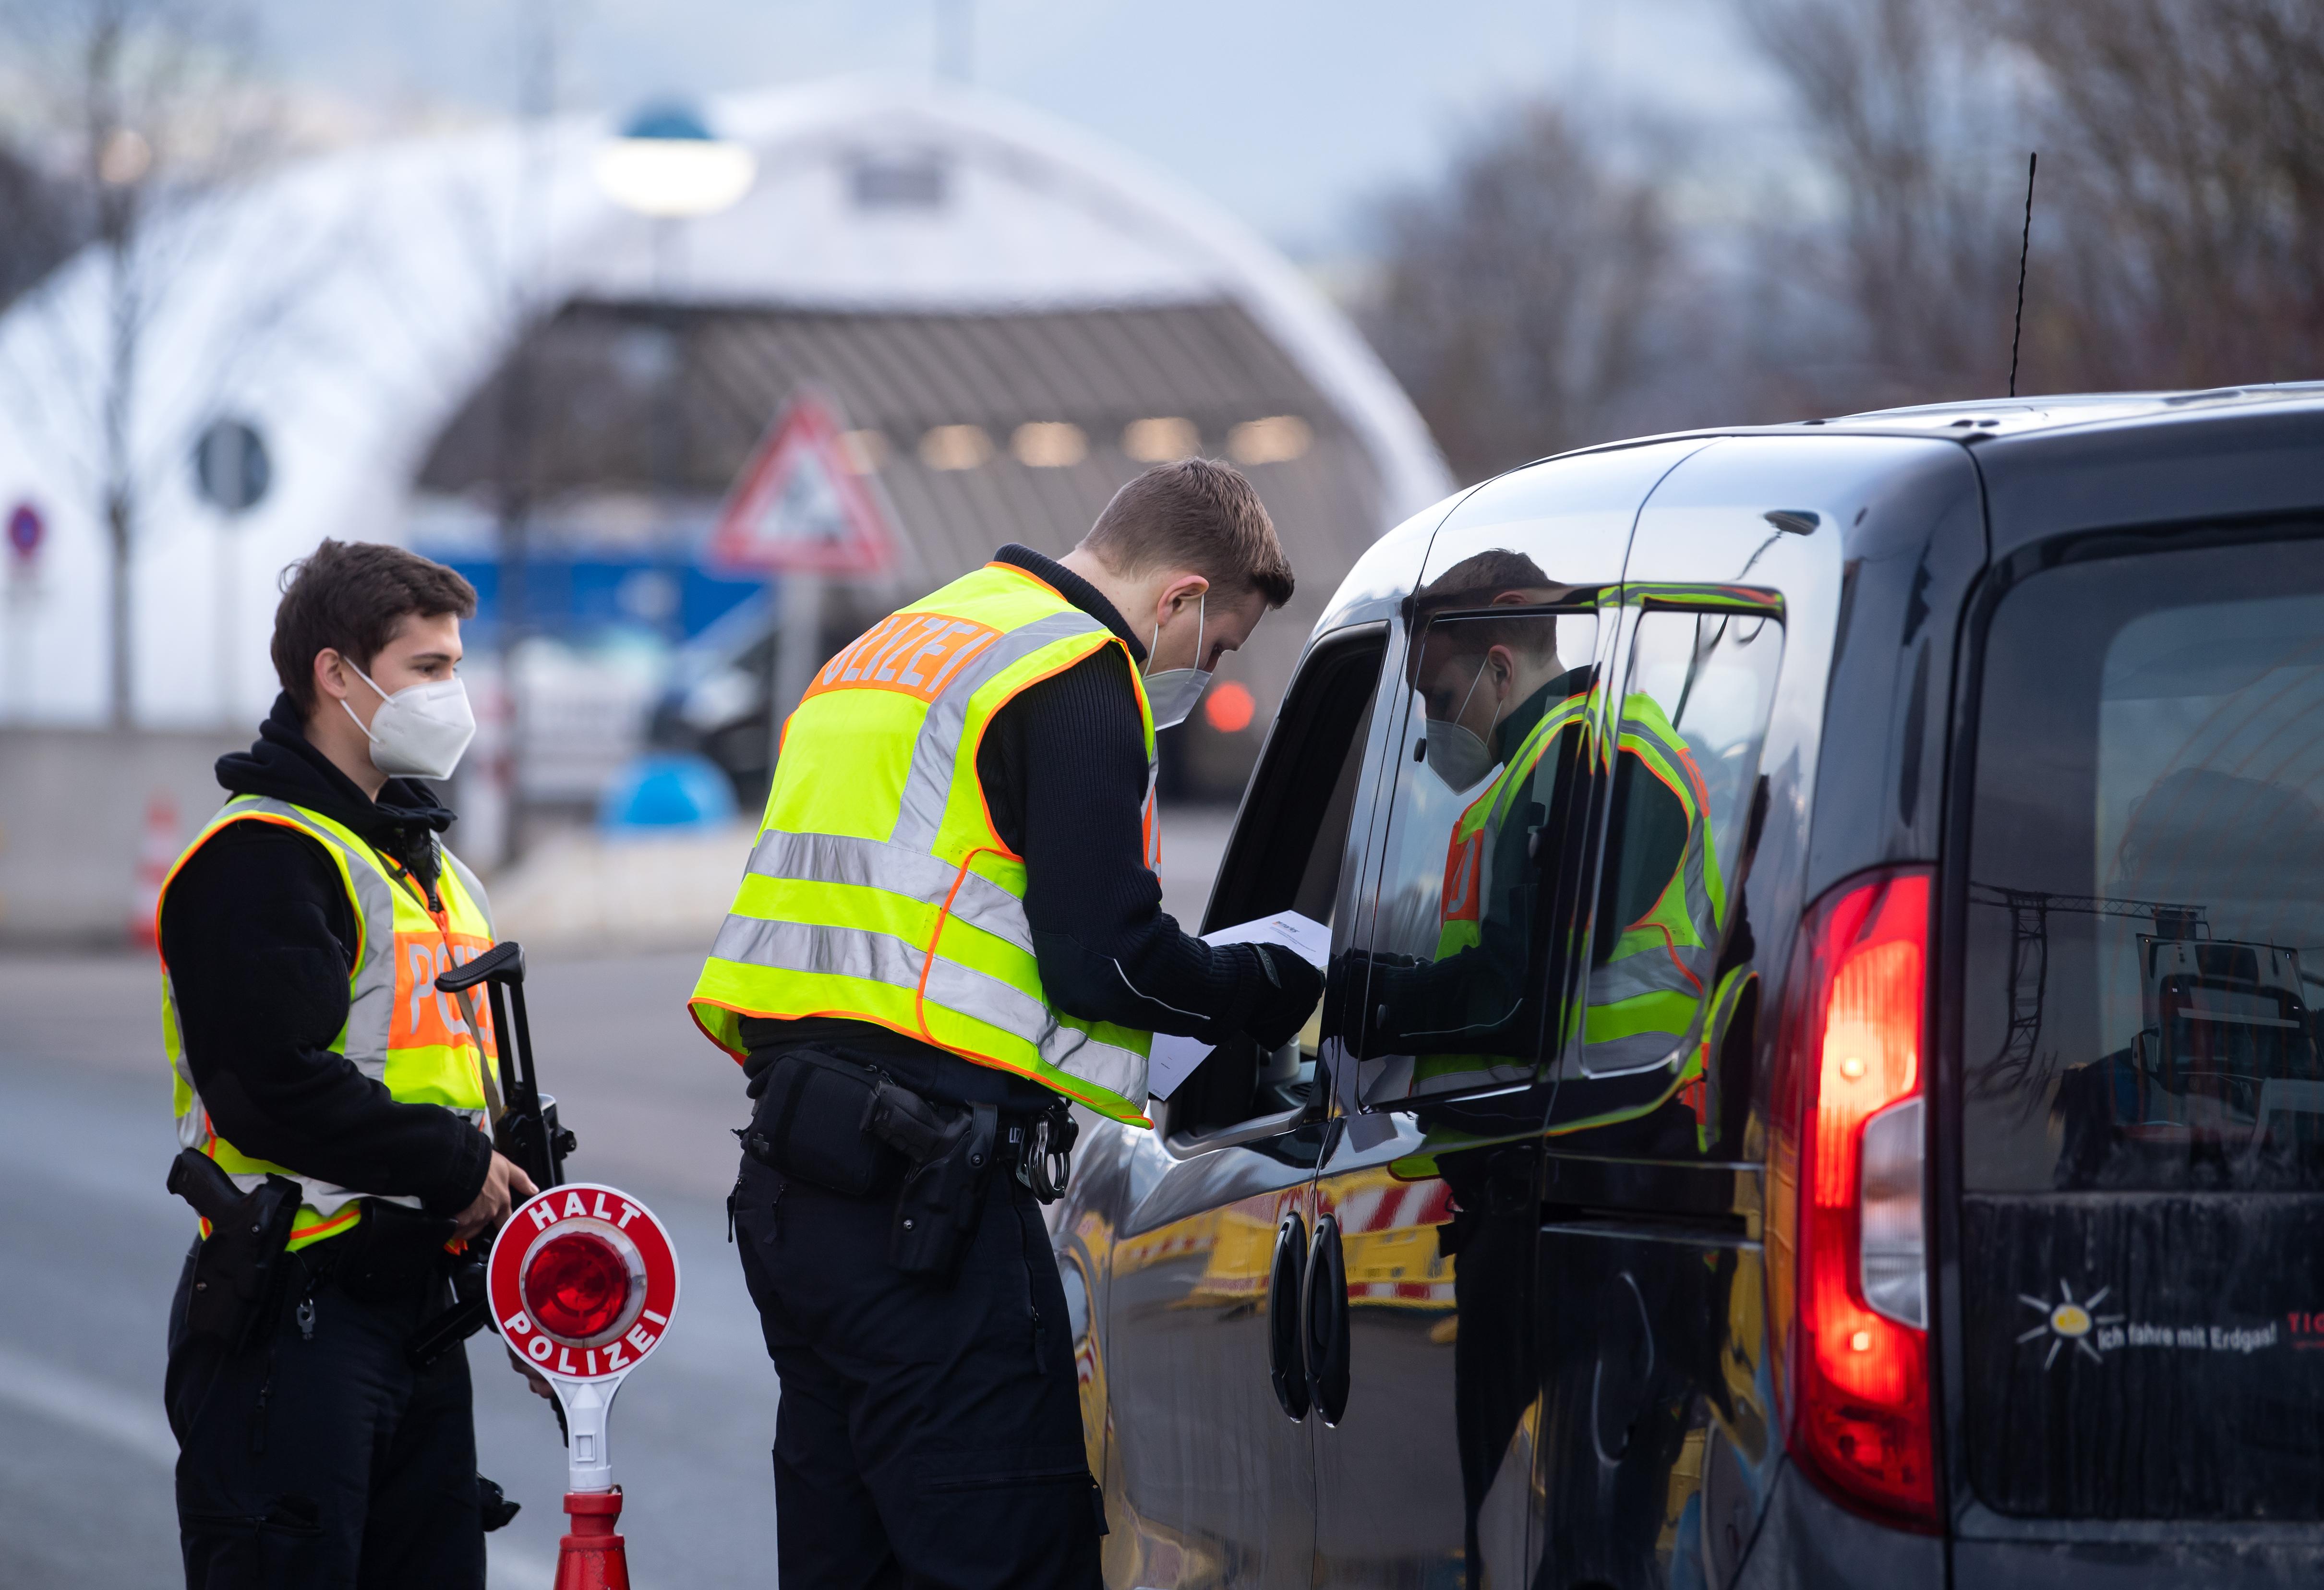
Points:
1482	663
350	711
1154	640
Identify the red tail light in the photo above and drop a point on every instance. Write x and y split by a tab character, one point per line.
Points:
1848	1271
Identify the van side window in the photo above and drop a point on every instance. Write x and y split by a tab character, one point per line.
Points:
1656	1049
1468	964
1661	994
1285	855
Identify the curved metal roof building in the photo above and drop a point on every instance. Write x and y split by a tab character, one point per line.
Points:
1012	316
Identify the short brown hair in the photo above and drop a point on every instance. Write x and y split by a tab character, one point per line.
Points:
1196	514
1484	579
349	596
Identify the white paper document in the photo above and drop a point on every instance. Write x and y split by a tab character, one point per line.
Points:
1174	1058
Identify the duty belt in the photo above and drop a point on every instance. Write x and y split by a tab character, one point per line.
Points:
890	1118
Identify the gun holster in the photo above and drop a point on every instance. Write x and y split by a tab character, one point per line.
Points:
240	1269
943	1193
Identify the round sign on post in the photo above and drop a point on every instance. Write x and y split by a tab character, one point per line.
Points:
231	465
583	1282
25	529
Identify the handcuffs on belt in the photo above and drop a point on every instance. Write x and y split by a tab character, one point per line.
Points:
1044	1154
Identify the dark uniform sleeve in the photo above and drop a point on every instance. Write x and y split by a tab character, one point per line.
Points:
1064	768
258	935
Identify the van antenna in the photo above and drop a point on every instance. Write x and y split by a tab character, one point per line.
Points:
2025	246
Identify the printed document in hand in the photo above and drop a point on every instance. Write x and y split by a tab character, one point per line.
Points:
1174	1058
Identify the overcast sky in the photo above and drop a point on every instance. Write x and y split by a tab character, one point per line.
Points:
1293	114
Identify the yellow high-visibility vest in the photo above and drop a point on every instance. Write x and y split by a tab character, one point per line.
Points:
1644	997
425	1048
878	890
1460	902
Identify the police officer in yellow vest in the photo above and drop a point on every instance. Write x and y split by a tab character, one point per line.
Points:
949	930
313	1060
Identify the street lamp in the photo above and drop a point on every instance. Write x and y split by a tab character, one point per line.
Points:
665	164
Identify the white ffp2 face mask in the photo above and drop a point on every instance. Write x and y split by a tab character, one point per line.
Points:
1456	752
421	731
1456	756
1173	692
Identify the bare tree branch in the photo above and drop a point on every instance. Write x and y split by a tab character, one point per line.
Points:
157	107
1516	306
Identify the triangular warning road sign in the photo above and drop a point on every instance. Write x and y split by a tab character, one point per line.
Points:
798	507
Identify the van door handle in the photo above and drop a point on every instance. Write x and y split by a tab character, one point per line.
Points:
1323	1315
1287	1365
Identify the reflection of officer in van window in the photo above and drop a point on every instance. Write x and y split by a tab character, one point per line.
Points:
1505	715
1500	684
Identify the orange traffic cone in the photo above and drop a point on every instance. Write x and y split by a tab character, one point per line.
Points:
592	1557
155	854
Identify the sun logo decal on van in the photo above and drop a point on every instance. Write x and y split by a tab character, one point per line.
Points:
2067	1321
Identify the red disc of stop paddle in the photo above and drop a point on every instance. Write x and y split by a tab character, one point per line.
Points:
583	1282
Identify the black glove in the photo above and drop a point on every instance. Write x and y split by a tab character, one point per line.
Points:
1360	990
1292	988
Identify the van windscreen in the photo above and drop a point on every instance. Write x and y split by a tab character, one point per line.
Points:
2141	1082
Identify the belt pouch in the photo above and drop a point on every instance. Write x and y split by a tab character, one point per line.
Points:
809	1123
391	1255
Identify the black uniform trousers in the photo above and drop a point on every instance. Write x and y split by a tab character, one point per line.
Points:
927	1436
318	1456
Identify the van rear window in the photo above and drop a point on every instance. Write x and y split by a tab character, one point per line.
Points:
2143	1099
2146	933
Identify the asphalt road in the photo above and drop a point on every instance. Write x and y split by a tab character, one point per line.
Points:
90	1245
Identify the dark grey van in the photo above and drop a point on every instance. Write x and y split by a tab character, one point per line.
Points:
1817	1084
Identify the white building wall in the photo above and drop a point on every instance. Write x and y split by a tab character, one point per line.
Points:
346	309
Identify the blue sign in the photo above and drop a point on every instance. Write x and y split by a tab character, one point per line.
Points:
25	529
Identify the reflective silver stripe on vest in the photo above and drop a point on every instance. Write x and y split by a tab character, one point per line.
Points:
469	882
883	957
874	863
929	783
1654	966
1654	970
1638	1051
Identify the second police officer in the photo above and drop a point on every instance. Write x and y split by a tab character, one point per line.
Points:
331	1107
